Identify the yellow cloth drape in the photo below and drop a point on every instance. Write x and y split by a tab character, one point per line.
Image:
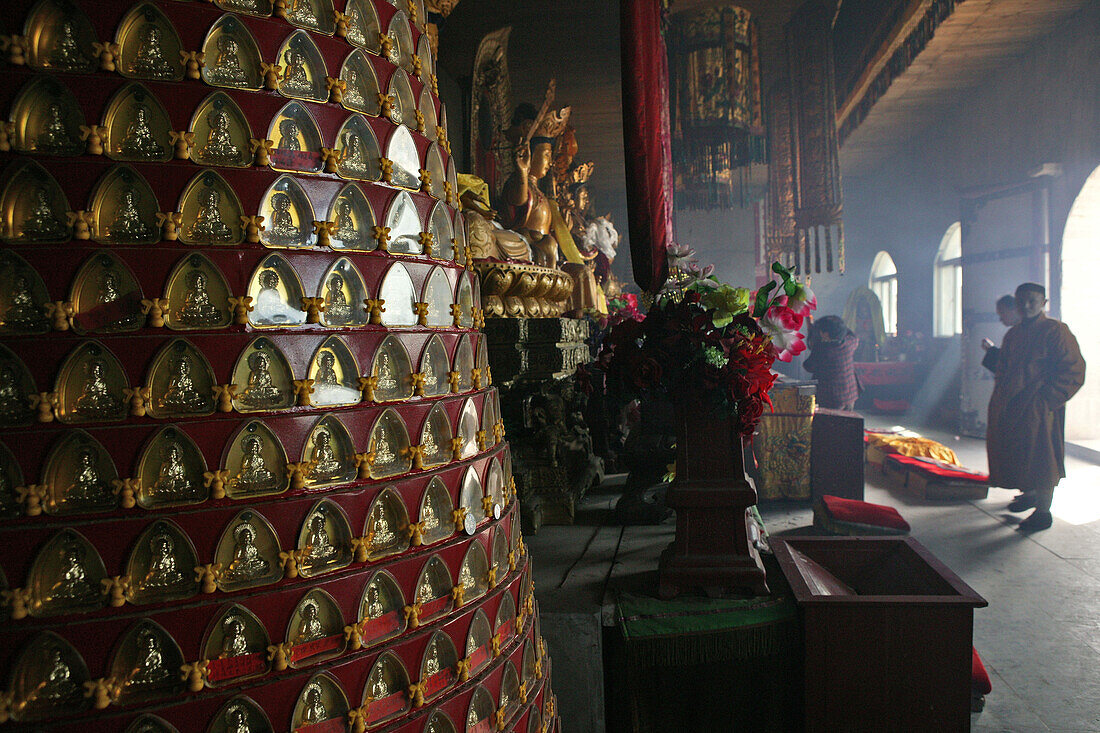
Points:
561	233
469	184
913	445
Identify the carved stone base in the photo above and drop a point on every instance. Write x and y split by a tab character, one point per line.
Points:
513	290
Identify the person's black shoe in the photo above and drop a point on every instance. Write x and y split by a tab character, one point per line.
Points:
1022	502
1039	520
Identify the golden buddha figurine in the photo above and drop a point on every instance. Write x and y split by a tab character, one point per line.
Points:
254	475
181	394
236	719
428	517
96	401
384	535
288	136
54	135
149	61
270	306
326	370
346	233
163	574
226	69
41	223
425	593
375	609
108	288
355	162
324	464
172	483
208	226
66	54
261	390
58	686
355	33
88	488
23	314
387	380
466	578
73	586
247	563
283	230
431	663
151	669
139	141
379	690
14	407
234	643
337	310
383	452
314	711
309	626
321	551
296	77
301	13
127	225
353	96
219	148
197	310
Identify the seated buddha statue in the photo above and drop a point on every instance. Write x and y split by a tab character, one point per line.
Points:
151	668
163	572
181	395
353	97
234	642
375	609
13	397
219	148
197	310
337	309
309	626
247	562
41	223
58	686
23	314
354	163
320	548
172	482
73	585
54	135
346	232
88	486
226	70
209	226
96	401
261	390
67	54
149	61
254	475
296	77
139	141
324	464
288	136
384	536
127	225
283	229
314	710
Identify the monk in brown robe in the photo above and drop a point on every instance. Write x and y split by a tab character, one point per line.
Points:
1039	368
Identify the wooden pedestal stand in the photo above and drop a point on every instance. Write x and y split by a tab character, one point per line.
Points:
711	495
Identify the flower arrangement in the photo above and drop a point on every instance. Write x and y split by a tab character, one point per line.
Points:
710	340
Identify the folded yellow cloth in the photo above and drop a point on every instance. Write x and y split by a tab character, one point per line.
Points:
913	445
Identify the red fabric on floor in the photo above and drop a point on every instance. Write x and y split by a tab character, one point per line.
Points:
979	678
851	510
939	469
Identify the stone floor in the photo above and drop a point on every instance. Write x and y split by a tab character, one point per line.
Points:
1039	637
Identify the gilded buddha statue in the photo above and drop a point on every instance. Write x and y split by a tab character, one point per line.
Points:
13	397
139	141
236	719
227	70
301	13
387	378
283	230
67	54
96	401
163	573
127	225
73	586
314	710
354	163
337	309
23	314
247	562
353	97
384	535
309	626
41	223
108	288
181	395
149	61
234	642
384	454
346	232
151	668
296	77
197	311
219	148
88	487
326	370
208	226
54	135
288	136
431	661
58	685
261	390
428	517
172	483
254	475
321	550
379	690
324	465
375	609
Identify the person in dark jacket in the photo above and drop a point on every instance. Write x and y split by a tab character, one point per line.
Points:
832	351
1009	315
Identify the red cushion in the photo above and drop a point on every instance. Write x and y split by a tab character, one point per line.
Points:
852	510
939	469
979	678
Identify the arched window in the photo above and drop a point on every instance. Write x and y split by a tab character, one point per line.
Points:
884	283
947	284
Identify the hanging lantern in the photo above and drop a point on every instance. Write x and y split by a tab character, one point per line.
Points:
717	123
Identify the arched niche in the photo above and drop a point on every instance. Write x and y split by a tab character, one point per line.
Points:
222	133
316	629
330	454
149	47
431	123
392	370
385	689
263	377
400	297
343	291
47	680
249	7
470	497
66	577
439	225
248	553
466	302
437	665
490	413
389	442
45	118
124	209
434	365
435	438
459	229
288	215
324	540
239	714
437	294
235	646
198	296
529	663
232	58
335	375
321	700
363	25
304	70
211	212
386	523
33	206
149	723
146	664
354	219
180	382
16	387
480	713
436	510
482	360
106	296
399	31
452	174
256	461
505	621
297	140
499	544
316	15
401	151
357	72
404	103
60	38
434	165
438	722
468	425
403	220
79	475
276	295
381	609
433	589
494	484
170	471
479	642
427	59
23	296
162	565
517	533
509	688
91	386
138	126
358	150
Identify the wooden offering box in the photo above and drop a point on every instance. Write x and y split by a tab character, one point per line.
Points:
887	634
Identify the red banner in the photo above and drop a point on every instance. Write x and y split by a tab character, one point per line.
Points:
438	682
433	608
386	707
507	630
315	647
482	726
230	667
332	725
382	626
302	160
480	656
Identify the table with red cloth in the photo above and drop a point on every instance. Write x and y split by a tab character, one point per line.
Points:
887	386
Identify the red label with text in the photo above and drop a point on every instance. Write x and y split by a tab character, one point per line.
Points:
230	667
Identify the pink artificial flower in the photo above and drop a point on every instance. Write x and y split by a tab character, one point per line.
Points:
677	253
803	301
782	325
